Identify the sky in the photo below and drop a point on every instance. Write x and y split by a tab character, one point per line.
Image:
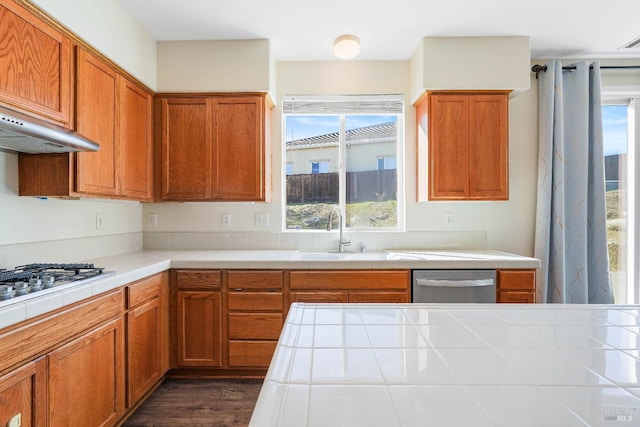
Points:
614	122
299	127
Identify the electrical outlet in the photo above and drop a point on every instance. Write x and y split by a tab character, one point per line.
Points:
152	220
448	219
262	219
226	220
99	221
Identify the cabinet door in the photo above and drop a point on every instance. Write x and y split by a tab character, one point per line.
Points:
186	149
35	65
143	349
134	141
96	120
199	324
86	379
448	146
488	147
23	393
238	157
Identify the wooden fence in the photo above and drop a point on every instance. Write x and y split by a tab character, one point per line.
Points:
362	186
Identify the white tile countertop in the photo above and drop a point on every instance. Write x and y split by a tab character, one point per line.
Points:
138	265
454	365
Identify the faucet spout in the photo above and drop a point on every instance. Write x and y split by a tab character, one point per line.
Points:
341	242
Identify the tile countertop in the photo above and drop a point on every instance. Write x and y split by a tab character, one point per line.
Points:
454	365
138	265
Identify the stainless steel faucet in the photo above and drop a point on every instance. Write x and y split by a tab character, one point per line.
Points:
341	243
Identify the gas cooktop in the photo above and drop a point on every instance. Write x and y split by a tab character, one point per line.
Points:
33	278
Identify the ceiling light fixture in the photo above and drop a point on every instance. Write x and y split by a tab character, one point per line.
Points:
347	46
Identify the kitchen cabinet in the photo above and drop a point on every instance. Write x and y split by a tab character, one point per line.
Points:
96	115
23	394
516	286
213	147
255	307
354	286
466	134
198	318
86	378
36	65
116	113
135	141
147	336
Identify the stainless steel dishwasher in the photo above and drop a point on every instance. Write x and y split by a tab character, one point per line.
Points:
456	286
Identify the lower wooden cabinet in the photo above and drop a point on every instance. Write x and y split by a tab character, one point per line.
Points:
516	286
255	315
23	395
350	286
86	379
147	335
199	338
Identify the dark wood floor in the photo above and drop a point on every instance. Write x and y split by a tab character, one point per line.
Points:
190	403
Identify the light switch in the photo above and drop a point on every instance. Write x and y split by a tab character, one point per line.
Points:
152	220
99	221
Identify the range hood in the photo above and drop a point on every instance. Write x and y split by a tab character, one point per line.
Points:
25	134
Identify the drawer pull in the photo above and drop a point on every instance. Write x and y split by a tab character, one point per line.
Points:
238	289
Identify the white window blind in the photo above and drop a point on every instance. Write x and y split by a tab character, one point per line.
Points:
364	104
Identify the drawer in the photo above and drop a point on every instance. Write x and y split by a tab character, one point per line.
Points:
319	297
255	301
517	279
199	279
143	290
259	326
256	354
379	297
260	280
350	279
517	297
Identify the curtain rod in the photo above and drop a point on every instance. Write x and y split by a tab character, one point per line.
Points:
537	68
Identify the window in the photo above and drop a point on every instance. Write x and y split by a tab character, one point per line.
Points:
320	166
386	163
352	145
620	159
288	168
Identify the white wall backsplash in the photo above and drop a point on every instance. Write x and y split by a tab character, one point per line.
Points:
374	241
69	250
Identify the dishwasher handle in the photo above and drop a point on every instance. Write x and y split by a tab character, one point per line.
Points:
442	283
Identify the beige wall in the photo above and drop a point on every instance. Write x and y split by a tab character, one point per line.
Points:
94	21
210	66
508	225
32	229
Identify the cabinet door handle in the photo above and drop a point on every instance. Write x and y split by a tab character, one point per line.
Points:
238	289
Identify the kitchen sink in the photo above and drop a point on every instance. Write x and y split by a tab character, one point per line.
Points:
348	256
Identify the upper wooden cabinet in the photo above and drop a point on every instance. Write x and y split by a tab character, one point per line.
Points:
96	118
467	134
35	64
117	114
213	147
135	141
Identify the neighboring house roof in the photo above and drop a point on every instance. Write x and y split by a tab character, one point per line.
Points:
384	132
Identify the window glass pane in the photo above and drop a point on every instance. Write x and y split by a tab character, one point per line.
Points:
615	125
312	149
371	175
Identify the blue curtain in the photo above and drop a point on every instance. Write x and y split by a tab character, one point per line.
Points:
571	229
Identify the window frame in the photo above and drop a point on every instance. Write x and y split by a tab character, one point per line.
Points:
342	170
632	101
